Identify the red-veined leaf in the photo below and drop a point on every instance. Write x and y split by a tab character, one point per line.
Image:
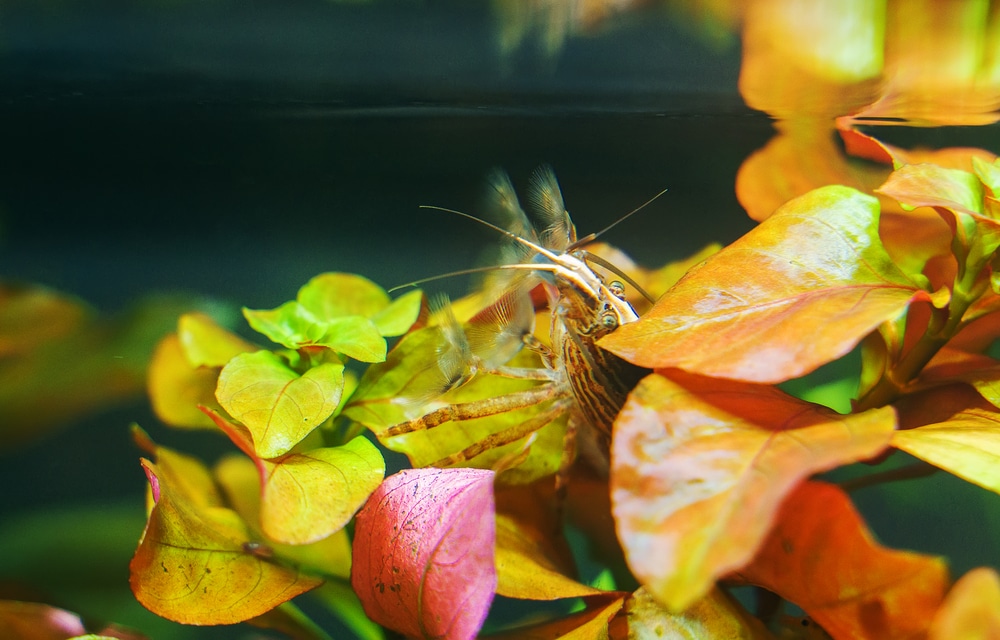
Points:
308	496
423	552
971	610
239	478
195	564
821	556
699	468
278	406
814	269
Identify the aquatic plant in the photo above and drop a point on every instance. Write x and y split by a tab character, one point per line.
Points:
713	469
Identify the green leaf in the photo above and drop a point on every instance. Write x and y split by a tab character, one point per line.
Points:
798	291
290	325
309	496
277	405
355	337
240	479
294	326
335	295
988	173
399	316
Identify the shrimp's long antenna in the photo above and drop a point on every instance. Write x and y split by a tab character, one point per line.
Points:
590	237
498	267
528	243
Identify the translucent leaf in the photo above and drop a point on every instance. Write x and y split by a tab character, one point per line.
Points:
700	467
336	295
821	556
714	616
971	611
409	384
278	406
196	564
815	269
399	316
310	495
423	552
967	444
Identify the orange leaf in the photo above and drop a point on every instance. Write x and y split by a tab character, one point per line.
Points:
972	609
423	552
821	556
700	466
801	157
195	564
801	289
714	616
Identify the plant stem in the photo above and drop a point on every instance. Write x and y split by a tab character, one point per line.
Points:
908	472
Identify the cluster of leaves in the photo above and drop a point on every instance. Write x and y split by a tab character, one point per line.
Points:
710	481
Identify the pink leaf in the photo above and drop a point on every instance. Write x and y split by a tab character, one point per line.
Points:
423	552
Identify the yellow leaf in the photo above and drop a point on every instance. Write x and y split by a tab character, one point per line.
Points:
310	495
714	616
176	388
971	611
196	564
278	406
206	344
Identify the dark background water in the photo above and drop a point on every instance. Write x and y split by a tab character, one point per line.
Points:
236	149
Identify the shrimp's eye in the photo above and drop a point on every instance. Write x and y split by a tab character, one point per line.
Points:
609	320
617	289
